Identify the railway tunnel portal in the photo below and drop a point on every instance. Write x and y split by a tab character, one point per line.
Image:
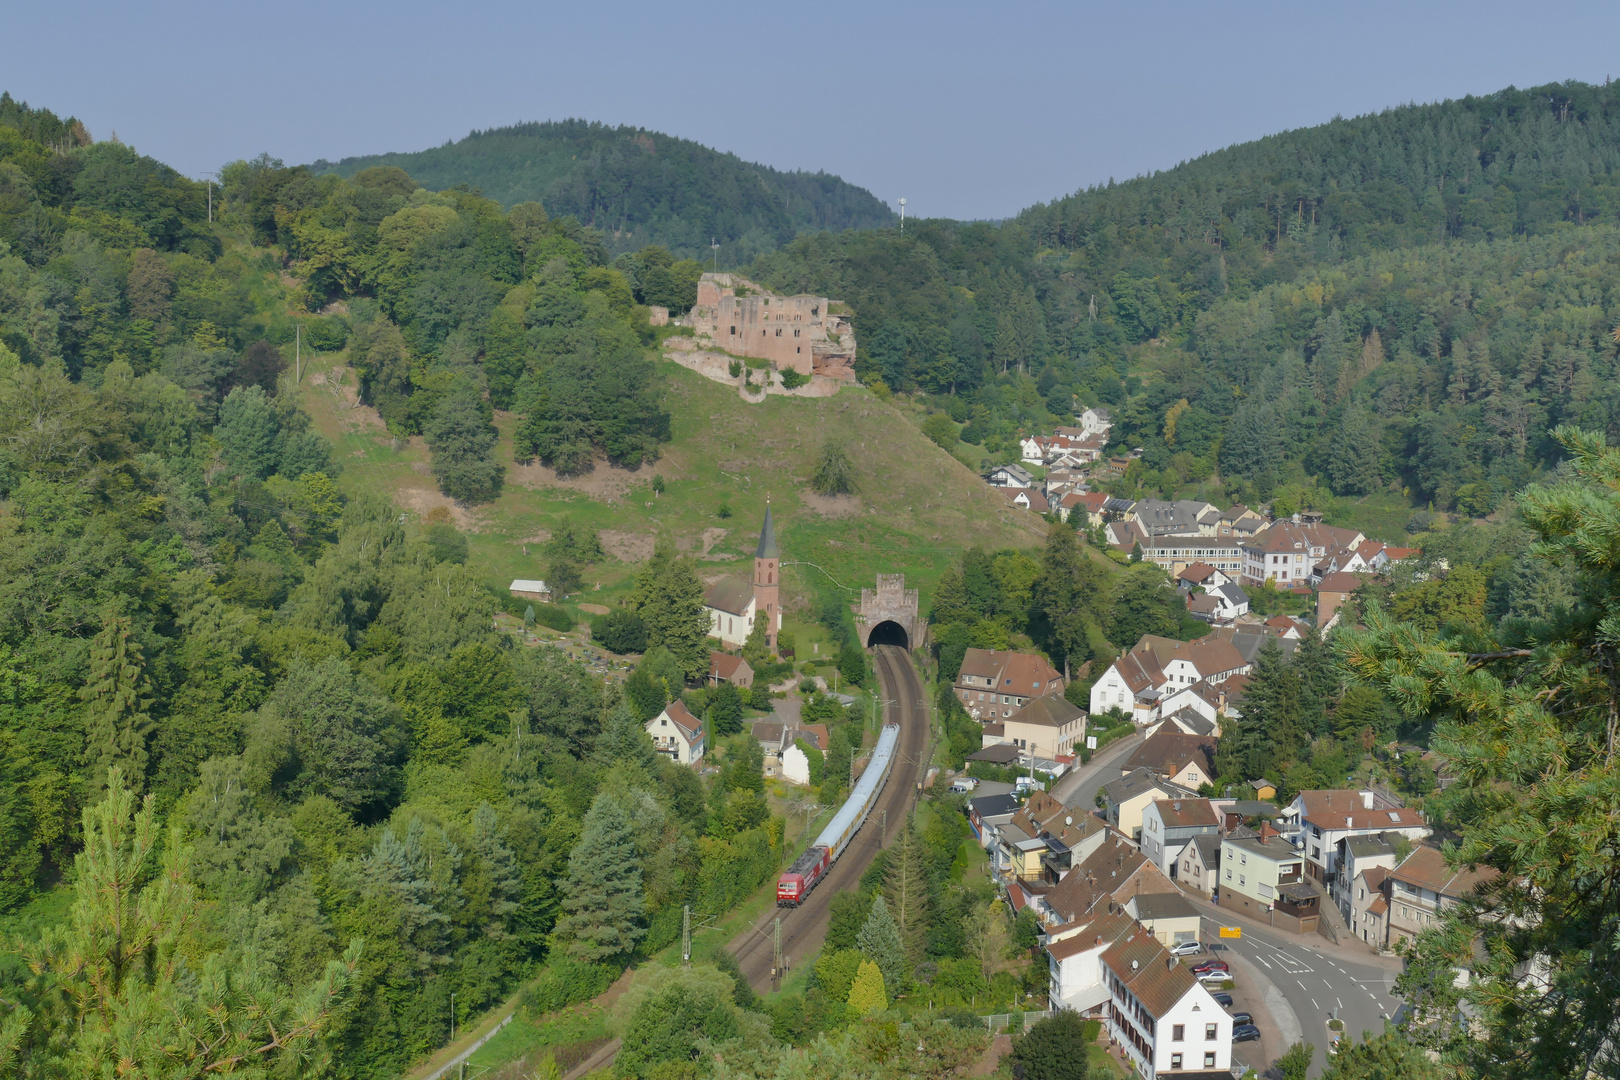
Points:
889	615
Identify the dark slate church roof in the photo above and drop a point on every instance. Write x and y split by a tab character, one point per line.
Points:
767	539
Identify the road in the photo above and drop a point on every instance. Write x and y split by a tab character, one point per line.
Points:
804	927
1079	787
1314	979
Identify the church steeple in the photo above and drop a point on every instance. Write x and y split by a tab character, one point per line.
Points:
767	538
767	580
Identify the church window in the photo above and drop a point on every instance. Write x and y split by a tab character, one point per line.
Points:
778	331
795	333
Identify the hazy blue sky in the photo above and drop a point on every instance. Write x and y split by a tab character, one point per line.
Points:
968	110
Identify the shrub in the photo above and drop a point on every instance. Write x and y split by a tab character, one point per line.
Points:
566	982
620	632
792	378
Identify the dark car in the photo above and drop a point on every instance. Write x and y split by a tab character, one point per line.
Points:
1210	965
1223	999
1241	1018
1245	1033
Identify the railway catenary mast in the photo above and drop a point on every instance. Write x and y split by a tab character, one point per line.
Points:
808	869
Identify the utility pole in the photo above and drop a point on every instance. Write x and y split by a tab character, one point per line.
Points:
883	837
298	353
776	954
452	1016
686	935
902	215
210	184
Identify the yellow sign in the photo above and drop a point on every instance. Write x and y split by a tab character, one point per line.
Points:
1232	931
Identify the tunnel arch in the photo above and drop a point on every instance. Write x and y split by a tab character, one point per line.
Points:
888	632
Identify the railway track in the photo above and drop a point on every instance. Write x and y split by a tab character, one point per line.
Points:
804	927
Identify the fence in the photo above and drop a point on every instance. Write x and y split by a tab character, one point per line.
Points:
474	1048
997	1021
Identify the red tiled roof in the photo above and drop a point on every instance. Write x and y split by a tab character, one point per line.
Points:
1196	572
1344	809
1146	967
1341	582
1427	867
724	665
1167	752
1029	674
681	717
1186	813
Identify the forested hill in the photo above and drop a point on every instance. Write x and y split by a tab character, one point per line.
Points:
639	187
1429	289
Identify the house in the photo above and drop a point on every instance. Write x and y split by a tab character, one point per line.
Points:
1265	876
1326	819
1201	575
1331	594
1125	799
1089	503
677	733
1047	727
1168	825
1074	960
1095	421
733	604
1030	499
1286	553
1158	1012
1240	521
1167	916
795	762
1206	700
769	734
1369	907
1228	601
1200	865
1113	872
1183	517
987	813
1186	721
526	589
993	683
1361	855
1187	761
1263	788
1027	840
726	668
1423	886
1158	666
1009	476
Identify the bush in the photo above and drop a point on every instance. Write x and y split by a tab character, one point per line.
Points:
1054	1048
553	616
566	982
326	334
620	632
792	378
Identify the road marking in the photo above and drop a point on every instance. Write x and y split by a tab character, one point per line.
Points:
1262	960
1315	1006
1341	1003
1302	986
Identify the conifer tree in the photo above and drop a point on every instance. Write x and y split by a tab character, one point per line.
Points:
950	598
117	698
602	898
905	887
669	598
868	994
462	439
879	939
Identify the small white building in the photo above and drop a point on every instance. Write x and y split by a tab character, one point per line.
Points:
1095	421
677	733
528	589
1074	960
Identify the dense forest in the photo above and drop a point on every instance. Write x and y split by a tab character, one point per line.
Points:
639	187
1404	301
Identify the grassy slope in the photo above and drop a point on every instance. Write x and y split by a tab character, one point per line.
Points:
916	509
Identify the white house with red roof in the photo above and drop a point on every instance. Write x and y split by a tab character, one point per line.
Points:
677	734
1324	821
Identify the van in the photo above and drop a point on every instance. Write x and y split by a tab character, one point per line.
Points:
1026	783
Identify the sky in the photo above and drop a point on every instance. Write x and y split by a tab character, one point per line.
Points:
966	110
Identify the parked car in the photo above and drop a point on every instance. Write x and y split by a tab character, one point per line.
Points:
1215	978
1186	948
1245	1033
964	783
1241	1018
1223	999
1210	965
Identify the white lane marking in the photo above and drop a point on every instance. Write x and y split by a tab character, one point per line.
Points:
1315	1006
1341	1002
1262	960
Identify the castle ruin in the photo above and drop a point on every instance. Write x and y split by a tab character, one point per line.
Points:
798	332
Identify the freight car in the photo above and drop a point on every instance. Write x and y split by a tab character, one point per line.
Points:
808	869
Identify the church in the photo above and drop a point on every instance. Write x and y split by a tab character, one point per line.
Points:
734	604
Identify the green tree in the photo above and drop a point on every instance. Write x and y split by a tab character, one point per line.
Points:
940	429
563	577
852	666
1066	598
1355	465
1056	1048
725	710
905	887
1527	723
669	599
620	631
1295	1064
757	648
868	994
665	1022
247	432
835	473
879	940
847	913
602	897
118	697
136	991
462	439
1389	1055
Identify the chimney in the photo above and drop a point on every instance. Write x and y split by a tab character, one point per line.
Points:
1366	800
1169	962
1266	831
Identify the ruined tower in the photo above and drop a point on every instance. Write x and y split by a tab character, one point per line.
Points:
768	580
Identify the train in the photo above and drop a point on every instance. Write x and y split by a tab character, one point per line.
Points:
794	886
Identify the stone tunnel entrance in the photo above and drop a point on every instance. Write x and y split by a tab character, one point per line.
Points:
888	632
888	614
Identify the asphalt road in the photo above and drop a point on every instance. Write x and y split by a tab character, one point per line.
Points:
1315	980
1078	788
804	927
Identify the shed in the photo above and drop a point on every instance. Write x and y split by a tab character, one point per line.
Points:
525	589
